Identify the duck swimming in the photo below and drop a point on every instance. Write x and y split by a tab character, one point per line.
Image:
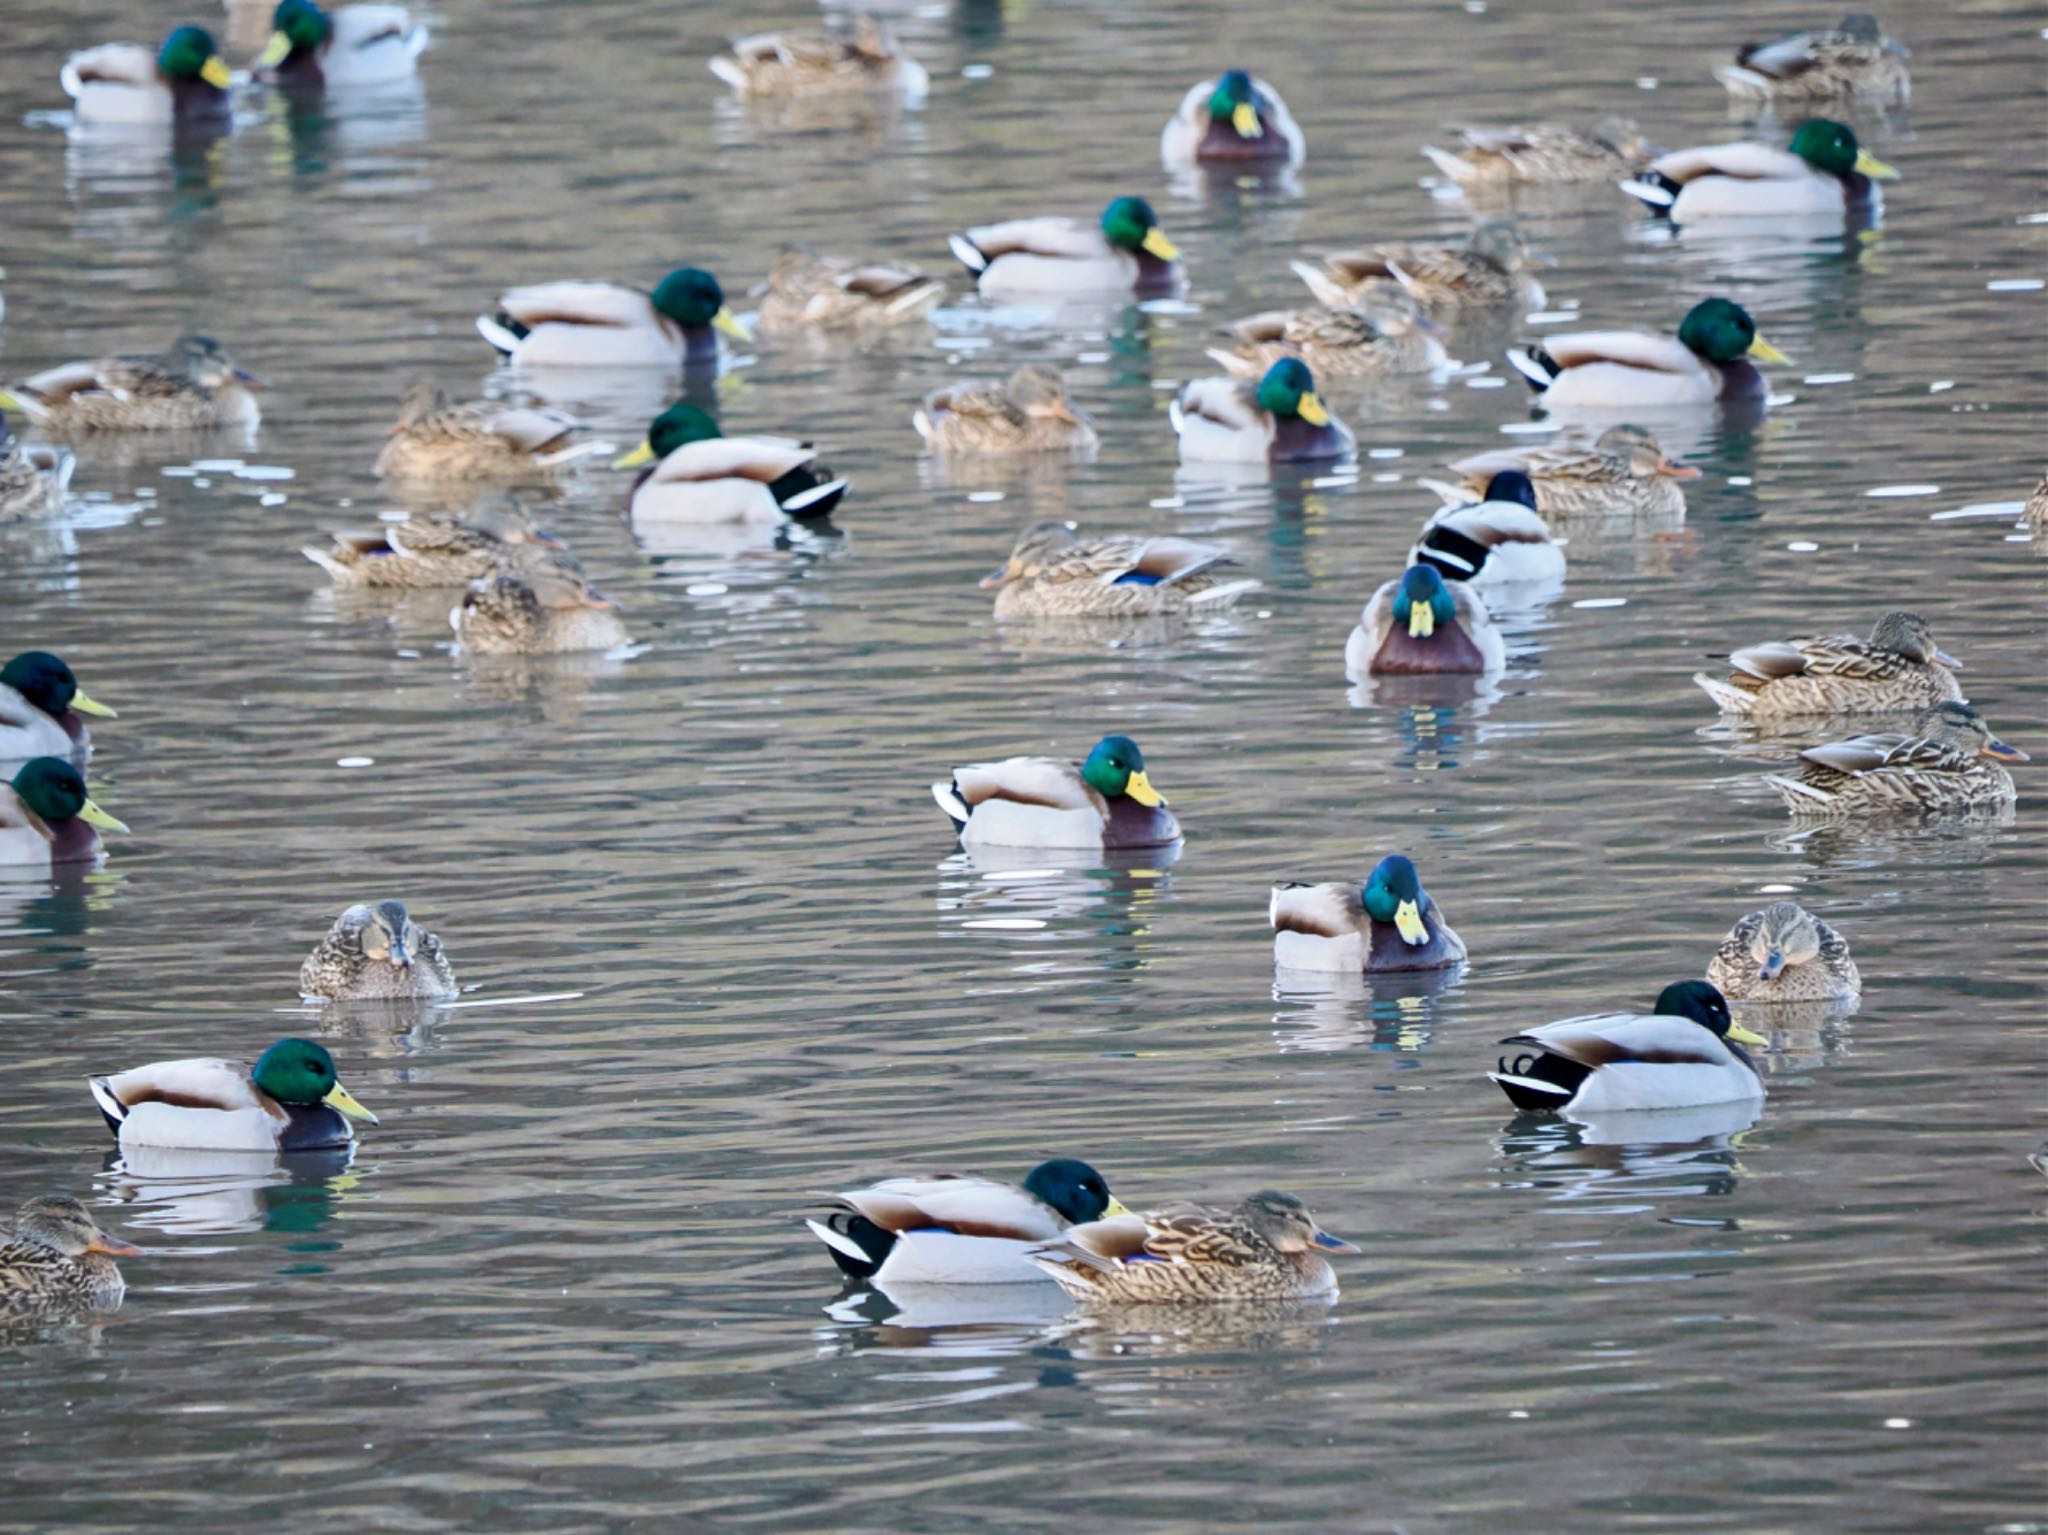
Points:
1280	420
1784	954
1417	625
1849	60
1948	761
1391	924
608	325
1822	171
315	49
1235	119
1622	473
375	952
1054	573
692	475
1498	541
58	1263
1124	252
509	615
290	1100
40	705
1104	803
194	386
186	81
1030	412
46	817
1542	154
1898	667
1685	1052
1266	1248
1708	360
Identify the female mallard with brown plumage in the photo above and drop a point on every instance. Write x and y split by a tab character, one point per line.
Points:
1898	668
46	817
1491	269
479	442
1053	573
1390	924
1542	154
1419	625
446	550
194	385
1784	954
1853	59
59	1263
375	952
1103	804
1622	473
1029	412
1280	419
2034	515
1948	761
1376	332
35	479
787	65
507	615
808	290
1268	1247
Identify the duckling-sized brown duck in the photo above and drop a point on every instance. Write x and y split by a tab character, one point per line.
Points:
809	290
1949	761
547	615
1784	954
59	1263
1898	668
1054	573
485	442
195	384
375	952
1029	412
442	549
1267	1248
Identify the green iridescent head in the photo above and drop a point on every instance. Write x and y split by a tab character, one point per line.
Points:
1289	389
299	1074
301	23
1116	770
692	298
189	54
1422	603
1393	893
1831	148
1721	330
1129	224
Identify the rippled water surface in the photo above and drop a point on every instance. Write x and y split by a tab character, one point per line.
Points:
565	1286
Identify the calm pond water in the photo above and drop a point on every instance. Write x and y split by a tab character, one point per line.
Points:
565	1285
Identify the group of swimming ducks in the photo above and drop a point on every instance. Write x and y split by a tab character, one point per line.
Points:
1376	313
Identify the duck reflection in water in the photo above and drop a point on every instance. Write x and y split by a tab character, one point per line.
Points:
1390	1012
1101	903
197	1192
1628	1155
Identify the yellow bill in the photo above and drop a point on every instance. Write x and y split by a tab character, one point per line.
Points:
728	322
1408	922
1115	1207
1763	351
644	454
92	815
1312	410
216	73
1140	789
275	52
1156	242
90	706
1421	620
1743	1036
1244	117
1868	164
9	402
341	1099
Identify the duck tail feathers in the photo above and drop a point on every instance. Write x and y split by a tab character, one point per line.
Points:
967	253
1534	364
950	801
500	335
1732	700
1529	1092
856	1243
1453	166
111	1108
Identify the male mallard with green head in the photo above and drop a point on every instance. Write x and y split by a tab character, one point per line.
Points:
1390	924
1823	171
290	1100
46	817
1707	360
1235	119
692	475
1104	803
608	325
184	82
1281	419
1419	625
312	49
375	952
40	705
1687	1051
1124	252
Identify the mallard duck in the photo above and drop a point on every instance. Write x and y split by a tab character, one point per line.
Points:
1898	667
1126	252
1278	420
952	1228
440	550
1267	1248
507	615
1824	171
1542	154
1106	802
1854	59
480	442
1948	761
1416	625
2034	515
1623	473
695	476
1684	1053
1231	120
1491	269
355	45
291	1100
1707	360
1029	412
46	817
607	325
195	384
1495	542
35	479
807	290
185	82
1392	924
40	705
1784	954
782	65
1379	331
375	952
1052	573
58	1261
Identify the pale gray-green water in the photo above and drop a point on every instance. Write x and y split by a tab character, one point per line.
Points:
565	1285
